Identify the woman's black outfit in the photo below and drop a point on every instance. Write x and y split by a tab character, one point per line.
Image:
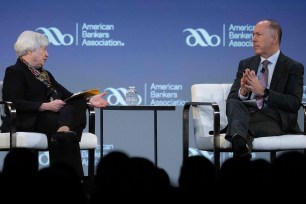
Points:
28	91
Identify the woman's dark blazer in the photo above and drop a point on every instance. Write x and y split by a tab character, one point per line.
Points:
27	94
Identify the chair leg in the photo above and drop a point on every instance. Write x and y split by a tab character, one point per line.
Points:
36	152
91	162
304	152
272	156
217	160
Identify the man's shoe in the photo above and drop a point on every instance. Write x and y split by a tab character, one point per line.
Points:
240	148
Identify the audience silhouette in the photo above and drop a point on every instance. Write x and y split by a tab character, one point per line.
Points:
289	177
58	183
111	177
20	167
119	174
144	176
197	174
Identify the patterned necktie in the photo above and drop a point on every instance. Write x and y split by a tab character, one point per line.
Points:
263	78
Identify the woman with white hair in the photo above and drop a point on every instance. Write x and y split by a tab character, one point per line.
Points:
39	101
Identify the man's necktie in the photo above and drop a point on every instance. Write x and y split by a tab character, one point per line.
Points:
263	78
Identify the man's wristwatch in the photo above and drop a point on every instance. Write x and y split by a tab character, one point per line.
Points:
266	94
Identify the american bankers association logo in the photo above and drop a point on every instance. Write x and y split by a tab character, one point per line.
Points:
231	35
116	96
56	37
202	38
86	34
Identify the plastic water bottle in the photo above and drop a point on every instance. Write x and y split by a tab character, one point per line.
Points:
131	97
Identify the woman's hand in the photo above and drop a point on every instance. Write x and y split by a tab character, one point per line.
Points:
54	105
98	101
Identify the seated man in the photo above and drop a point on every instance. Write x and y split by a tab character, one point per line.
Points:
277	88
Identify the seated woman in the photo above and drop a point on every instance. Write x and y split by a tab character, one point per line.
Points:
39	101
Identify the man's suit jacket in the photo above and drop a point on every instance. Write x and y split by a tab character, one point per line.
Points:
27	93
286	88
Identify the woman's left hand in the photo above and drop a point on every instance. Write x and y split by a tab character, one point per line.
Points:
98	101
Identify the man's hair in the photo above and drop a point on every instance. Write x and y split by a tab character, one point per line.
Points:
275	26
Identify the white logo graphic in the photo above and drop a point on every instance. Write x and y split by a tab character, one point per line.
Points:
201	37
44	158
117	96
56	37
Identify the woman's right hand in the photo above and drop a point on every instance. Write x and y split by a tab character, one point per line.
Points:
54	105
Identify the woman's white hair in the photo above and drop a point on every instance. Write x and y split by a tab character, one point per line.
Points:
29	41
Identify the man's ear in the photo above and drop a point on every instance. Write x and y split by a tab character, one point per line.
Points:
275	37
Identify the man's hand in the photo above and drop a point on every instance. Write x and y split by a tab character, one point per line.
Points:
253	84
243	83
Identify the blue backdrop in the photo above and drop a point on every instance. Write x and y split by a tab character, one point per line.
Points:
161	47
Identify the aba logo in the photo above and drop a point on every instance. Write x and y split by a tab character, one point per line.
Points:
117	96
201	37
56	37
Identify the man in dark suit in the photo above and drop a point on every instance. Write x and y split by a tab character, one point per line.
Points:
281	96
39	101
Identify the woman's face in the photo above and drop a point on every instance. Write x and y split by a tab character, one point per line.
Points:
38	57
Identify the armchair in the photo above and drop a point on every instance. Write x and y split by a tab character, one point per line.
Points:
209	117
38	141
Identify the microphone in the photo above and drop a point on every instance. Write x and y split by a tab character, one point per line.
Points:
263	70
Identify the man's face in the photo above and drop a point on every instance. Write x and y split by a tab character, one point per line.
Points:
263	39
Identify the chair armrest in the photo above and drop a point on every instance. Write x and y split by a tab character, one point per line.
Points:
216	112
303	104
91	118
8	105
